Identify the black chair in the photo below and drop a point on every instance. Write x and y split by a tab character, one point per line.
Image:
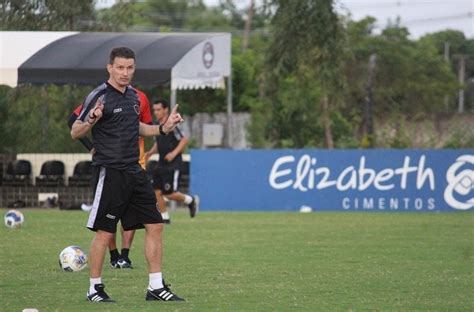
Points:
82	174
52	174
18	173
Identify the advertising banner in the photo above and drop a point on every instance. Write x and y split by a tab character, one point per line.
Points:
334	180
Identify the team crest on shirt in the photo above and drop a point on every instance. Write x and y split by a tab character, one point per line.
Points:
137	109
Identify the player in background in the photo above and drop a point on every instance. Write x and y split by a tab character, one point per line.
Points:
166	175
121	260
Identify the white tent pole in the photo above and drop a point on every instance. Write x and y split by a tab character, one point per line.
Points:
229	111
173	103
173	98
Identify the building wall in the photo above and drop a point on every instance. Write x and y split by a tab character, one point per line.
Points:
193	127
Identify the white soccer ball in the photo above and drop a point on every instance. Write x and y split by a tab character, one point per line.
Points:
306	209
13	219
72	259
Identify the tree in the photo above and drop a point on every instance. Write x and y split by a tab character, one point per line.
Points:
19	15
167	13
410	78
48	15
123	16
455	39
202	18
7	138
43	112
456	47
306	50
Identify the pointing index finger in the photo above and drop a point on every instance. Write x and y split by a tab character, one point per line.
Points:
175	109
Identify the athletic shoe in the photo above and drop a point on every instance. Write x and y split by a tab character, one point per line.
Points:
113	264
100	295
124	264
121	264
194	206
162	294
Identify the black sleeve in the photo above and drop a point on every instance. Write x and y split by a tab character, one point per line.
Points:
85	140
85	110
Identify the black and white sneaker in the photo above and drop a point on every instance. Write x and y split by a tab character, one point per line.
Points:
194	206
113	264
100	295
124	264
162	294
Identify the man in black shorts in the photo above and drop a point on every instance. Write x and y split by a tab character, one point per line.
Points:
166	175
122	190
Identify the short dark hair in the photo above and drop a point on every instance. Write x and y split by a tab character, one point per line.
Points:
122	52
163	102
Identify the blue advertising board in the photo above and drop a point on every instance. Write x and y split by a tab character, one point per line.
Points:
334	180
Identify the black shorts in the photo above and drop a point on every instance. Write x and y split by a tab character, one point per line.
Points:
124	196
166	180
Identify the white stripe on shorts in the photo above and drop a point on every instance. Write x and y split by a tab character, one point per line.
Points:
175	180
98	195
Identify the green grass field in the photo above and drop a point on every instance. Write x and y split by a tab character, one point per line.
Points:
256	262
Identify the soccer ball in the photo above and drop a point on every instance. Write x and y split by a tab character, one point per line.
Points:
13	219
72	259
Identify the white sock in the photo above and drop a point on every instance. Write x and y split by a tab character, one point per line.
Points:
156	281
165	215
187	199
93	282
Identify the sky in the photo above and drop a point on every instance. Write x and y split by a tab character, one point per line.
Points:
419	16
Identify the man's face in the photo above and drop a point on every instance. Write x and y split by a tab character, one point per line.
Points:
159	111
122	70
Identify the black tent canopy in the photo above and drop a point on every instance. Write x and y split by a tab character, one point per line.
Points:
82	58
180	60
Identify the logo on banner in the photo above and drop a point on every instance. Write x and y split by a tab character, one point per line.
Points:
208	55
460	183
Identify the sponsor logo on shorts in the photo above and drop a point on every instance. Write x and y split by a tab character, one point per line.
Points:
110	216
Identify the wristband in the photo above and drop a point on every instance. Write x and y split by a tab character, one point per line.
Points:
161	130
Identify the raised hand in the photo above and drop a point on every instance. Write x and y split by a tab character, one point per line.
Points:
96	112
173	120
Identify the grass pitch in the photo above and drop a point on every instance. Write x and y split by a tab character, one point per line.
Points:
256	262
